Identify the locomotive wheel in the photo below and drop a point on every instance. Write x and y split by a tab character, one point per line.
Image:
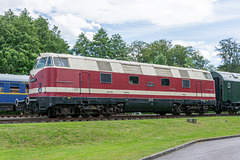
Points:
50	113
201	113
106	115
231	112
95	115
176	109
189	113
175	113
75	115
218	112
85	115
162	113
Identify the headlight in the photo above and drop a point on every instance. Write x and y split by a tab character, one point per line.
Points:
39	90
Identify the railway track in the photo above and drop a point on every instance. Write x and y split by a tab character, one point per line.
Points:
37	119
17	116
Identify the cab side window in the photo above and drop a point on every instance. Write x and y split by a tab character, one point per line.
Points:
105	77
61	62
133	80
186	83
165	82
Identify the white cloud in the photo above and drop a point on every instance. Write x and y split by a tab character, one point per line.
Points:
73	16
73	25
89	35
188	43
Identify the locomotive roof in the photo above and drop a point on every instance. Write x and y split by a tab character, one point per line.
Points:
15	78
100	64
227	76
113	60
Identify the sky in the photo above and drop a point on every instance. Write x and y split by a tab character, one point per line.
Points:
201	24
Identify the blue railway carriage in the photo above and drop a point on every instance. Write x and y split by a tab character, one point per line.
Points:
12	87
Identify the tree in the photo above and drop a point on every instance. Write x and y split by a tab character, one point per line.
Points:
156	52
229	52
178	56
100	45
136	50
82	46
56	43
198	61
160	59
118	48
163	52
22	38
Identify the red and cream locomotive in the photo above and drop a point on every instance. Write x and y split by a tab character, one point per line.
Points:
63	84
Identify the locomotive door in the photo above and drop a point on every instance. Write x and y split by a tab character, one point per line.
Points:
199	89
84	83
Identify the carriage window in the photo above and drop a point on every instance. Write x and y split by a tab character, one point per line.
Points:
14	88
61	62
133	79
185	83
26	88
105	77
41	62
49	62
165	82
1	87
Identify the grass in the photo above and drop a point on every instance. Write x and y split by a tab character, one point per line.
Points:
107	139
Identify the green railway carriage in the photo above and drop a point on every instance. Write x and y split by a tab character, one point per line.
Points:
227	89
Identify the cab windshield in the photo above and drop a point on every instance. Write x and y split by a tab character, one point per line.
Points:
41	63
48	61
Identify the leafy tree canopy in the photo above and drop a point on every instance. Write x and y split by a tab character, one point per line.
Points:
229	52
22	38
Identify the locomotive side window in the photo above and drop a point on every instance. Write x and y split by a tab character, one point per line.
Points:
49	62
105	77
133	79
41	62
65	62
185	83
207	75
165	82
61	62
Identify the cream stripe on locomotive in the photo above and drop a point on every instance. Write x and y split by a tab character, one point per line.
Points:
116	91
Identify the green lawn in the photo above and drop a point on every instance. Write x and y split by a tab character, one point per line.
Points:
107	139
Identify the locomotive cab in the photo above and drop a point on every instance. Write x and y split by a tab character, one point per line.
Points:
43	81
